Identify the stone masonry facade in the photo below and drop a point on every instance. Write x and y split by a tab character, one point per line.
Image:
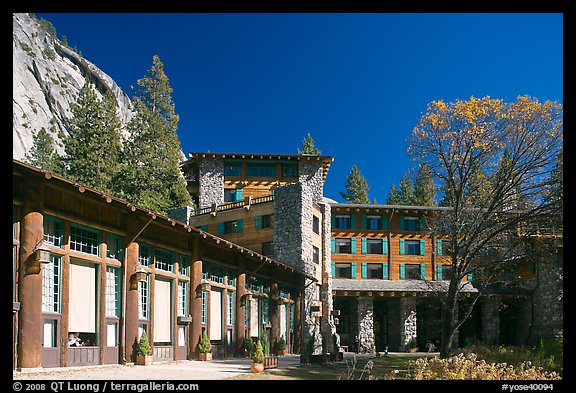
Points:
211	181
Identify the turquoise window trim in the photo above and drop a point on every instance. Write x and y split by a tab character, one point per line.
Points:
164	260
439	271
333	269
385	246
239	225
439	248
402	272
333	245
353	269
364	270
364	245
220	228
352	221
422	247
353	245
239	194
258	222
423	271
364	221
402	247
401	219
385	271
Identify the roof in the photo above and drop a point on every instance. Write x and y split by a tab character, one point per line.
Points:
379	285
326	160
159	217
387	207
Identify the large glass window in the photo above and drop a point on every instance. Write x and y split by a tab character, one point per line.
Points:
374	222
53	231
342	222
112	292
143	299
183	265
264	222
374	270
84	240
232	169
343	270
412	271
343	246
182	298
164	260
51	284
217	274
114	247
411	224
374	246
233	194
412	247
261	170
230	306
144	255
204	307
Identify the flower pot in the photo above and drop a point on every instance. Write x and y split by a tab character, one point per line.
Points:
205	356
144	360
413	350
257	367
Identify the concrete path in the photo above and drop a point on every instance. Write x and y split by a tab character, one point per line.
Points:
178	370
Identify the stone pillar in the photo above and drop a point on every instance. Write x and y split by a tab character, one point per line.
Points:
195	330
490	319
30	333
366	325
408	321
240	322
274	315
211	181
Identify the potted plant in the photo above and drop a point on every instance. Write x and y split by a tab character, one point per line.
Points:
249	346
413	345
282	346
204	347
144	356
257	359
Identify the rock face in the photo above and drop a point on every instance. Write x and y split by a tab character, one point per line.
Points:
47	77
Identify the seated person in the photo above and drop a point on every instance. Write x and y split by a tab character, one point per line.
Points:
74	340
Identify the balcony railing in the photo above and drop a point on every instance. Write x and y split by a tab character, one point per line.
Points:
246	203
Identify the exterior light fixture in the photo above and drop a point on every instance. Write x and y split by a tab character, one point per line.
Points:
205	285
42	254
140	274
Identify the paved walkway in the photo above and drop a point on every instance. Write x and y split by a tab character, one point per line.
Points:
178	370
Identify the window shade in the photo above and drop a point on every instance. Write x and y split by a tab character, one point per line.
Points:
162	308
82	303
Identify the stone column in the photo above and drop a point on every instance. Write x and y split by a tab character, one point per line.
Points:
366	325
408	320
30	333
240	321
195	330
490	319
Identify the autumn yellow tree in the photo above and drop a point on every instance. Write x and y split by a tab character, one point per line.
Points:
487	155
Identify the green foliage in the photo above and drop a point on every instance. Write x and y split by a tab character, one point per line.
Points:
424	191
393	197
282	343
413	343
47	26
204	345
249	345
144	345
308	147
43	154
258	355
48	53
356	187
150	173
26	48
265	345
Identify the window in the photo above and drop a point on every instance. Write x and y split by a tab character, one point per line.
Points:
232	169
205	268
374	270
233	194
268	249
444	248
315	254
183	265
343	270
342	222
143	310
445	272
144	255
263	222
265	308
84	240
204	307
230	227
50	334
231	277
412	271
289	170
53	231
343	246
374	222
164	260
216	274
114	247
261	170
412	247
316	224
51	284
411	224
374	246
230	299
182	298
112	292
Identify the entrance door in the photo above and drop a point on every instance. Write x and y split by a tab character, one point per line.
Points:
380	325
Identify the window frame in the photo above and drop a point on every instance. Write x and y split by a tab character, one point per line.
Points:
342	218
409	244
348	246
374	242
370	219
49	238
117	293
316	224
160	264
73	243
289	170
118	246
55	297
261	170
339	268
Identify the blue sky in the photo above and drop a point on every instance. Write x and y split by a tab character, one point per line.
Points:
358	83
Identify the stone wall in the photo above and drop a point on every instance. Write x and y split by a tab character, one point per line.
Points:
181	214
366	325
211	181
490	319
408	321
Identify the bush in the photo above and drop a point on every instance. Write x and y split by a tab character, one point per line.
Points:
204	345
249	345
144	348
258	354
282	343
265	345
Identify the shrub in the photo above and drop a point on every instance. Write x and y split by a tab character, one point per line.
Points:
249	345
265	345
282	343
258	354
204	345
144	348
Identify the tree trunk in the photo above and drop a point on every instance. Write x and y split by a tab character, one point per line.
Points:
449	320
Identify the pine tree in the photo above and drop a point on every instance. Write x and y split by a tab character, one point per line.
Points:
406	191
393	197
93	146
150	174
356	187
424	191
308	147
43	154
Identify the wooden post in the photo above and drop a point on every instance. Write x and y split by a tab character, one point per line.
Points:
297	340
65	298
274	316
30	332
196	300
131	313
240	321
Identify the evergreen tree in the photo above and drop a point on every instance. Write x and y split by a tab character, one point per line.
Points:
356	187
406	191
424	191
393	197
43	154
150	174
93	146
308	147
